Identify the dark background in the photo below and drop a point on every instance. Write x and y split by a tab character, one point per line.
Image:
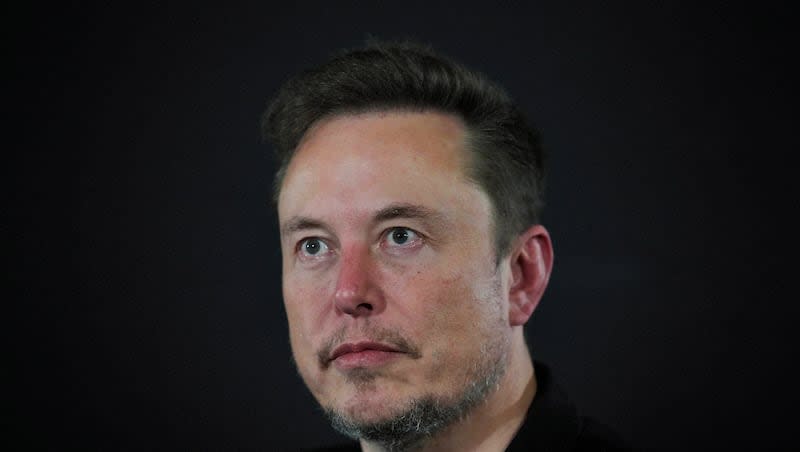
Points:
144	260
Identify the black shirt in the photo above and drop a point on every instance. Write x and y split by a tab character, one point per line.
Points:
554	424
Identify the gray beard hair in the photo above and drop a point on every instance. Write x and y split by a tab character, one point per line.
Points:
422	418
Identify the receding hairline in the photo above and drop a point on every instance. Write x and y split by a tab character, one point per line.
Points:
467	143
504	156
379	111
469	157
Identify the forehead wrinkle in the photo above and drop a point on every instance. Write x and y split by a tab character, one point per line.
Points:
359	147
390	212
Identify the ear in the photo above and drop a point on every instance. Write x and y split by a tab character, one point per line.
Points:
531	262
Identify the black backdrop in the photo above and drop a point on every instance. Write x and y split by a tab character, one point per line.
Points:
144	263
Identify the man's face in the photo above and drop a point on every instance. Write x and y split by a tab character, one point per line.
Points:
390	281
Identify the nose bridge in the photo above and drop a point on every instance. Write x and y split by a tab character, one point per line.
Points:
355	294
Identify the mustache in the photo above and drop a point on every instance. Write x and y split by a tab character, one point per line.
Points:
391	337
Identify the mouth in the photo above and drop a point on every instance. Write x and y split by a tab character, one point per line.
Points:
354	355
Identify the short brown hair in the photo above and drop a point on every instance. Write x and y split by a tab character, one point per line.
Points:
507	160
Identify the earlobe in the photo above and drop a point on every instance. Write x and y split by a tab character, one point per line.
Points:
531	264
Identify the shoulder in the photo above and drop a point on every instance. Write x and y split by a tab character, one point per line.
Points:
595	436
554	423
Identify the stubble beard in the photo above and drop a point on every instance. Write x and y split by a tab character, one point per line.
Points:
420	419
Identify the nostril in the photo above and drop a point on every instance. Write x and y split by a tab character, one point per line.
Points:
365	306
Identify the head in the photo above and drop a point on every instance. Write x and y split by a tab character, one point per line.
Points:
408	197
504	154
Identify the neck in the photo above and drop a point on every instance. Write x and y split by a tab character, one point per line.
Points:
492	424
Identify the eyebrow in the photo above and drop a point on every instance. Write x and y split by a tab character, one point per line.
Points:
390	212
299	223
404	210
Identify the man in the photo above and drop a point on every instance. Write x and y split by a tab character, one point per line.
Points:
409	194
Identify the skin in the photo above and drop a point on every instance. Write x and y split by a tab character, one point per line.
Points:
384	240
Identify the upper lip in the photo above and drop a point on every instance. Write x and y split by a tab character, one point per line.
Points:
354	347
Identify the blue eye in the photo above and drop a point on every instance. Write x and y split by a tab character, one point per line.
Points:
401	236
313	247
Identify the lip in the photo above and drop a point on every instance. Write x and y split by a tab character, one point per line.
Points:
363	354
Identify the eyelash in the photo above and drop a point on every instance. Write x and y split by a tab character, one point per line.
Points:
302	243
388	233
415	238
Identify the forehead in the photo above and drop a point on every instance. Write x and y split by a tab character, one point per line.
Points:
370	160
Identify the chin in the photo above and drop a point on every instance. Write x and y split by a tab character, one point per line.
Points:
395	423
372	402
367	414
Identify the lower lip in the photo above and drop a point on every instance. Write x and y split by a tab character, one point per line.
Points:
364	358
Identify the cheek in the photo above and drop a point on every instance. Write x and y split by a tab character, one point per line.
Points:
304	301
445	309
456	314
306	294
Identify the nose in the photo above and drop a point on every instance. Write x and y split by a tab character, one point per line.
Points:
357	291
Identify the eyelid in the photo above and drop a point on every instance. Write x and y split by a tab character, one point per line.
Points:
298	248
412	240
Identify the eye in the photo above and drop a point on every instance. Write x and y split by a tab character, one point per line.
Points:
313	247
402	237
